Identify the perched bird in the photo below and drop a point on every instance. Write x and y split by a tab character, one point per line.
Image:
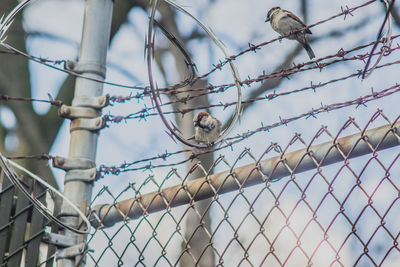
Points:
284	22
206	127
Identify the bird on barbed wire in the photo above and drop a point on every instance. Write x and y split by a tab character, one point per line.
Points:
284	22
206	128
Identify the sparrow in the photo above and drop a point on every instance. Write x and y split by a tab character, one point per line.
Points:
284	22
206	128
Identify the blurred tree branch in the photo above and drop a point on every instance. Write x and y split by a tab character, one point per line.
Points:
198	221
36	133
396	15
33	136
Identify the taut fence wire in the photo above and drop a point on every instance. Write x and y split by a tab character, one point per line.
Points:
281	220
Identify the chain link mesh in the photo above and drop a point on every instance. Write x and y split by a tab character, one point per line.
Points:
341	214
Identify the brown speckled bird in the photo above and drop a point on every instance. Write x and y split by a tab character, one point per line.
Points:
207	128
284	22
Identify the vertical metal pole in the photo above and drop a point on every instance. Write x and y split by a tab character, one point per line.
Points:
83	141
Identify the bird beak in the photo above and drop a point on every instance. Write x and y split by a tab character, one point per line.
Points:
267	19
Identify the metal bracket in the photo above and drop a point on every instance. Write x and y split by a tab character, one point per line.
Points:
97	102
73	163
93	124
71	112
87	175
73	251
59	240
87	67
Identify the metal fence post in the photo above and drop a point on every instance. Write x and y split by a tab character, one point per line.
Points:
86	120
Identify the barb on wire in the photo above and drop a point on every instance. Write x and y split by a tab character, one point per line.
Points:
212	88
230	141
42	156
66	68
6	22
251	48
155	94
387	43
57	103
188	59
145	112
223	87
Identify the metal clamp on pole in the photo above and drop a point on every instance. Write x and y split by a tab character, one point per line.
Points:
78	112
73	163
86	121
96	102
59	240
87	67
86	175
71	252
94	124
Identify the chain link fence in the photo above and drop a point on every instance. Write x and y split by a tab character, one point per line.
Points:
329	201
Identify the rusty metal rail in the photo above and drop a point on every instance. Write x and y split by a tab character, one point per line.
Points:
272	169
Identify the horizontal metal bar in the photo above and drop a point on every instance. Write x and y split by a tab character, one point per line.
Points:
273	168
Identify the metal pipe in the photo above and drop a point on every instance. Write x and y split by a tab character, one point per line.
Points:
273	168
83	141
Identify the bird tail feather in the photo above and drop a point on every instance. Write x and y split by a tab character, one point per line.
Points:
310	52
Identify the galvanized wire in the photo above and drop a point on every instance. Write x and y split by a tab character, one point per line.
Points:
343	214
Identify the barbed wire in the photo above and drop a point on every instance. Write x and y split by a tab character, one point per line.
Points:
57	103
387	40
173	131
164	156
42	156
145	112
230	141
345	11
252	48
283	73
211	89
42	208
115	170
68	67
